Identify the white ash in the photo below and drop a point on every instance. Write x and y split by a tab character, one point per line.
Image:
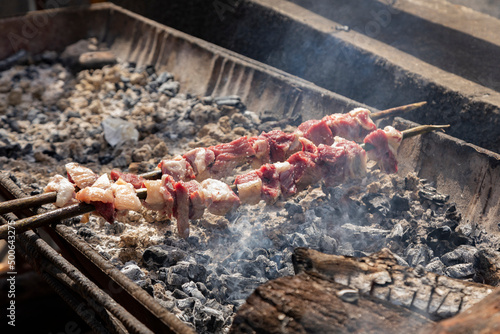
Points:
49	117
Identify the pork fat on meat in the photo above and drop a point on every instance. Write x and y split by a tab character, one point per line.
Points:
65	190
79	175
101	196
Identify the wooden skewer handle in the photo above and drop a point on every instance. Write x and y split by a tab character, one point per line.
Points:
396	110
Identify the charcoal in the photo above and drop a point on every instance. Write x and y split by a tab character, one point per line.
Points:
297	240
87	234
436	266
237	286
188	270
327	244
418	254
462	254
202	288
191	289
160	256
170	88
430	194
376	203
487	264
245	253
132	271
260	251
210	318
453	214
96	59
293	208
164	77
175	279
186	303
146	285
399	203
397	232
180	294
231	101
250	268
461	270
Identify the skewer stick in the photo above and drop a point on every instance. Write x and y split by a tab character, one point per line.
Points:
50	197
419	130
46	198
392	111
73	210
48	217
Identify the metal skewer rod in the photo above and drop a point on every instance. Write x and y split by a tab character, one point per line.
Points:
73	210
48	217
50	197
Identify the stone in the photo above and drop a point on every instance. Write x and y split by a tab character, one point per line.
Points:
118	131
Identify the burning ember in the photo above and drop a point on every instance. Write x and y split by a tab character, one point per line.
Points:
123	119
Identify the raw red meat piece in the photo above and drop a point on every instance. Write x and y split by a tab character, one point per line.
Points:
218	196
106	210
200	159
196	202
135	180
317	131
179	168
332	162
308	146
168	192
281	144
381	151
270	183
261	147
354	125
230	155
182	209
249	187
303	171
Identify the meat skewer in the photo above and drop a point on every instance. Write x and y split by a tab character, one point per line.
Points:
217	193
51	197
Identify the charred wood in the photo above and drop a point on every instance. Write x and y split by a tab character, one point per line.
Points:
309	303
379	275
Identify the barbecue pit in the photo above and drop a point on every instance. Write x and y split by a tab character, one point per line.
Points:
421	154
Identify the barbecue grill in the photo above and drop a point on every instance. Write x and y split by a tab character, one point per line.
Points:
85	280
